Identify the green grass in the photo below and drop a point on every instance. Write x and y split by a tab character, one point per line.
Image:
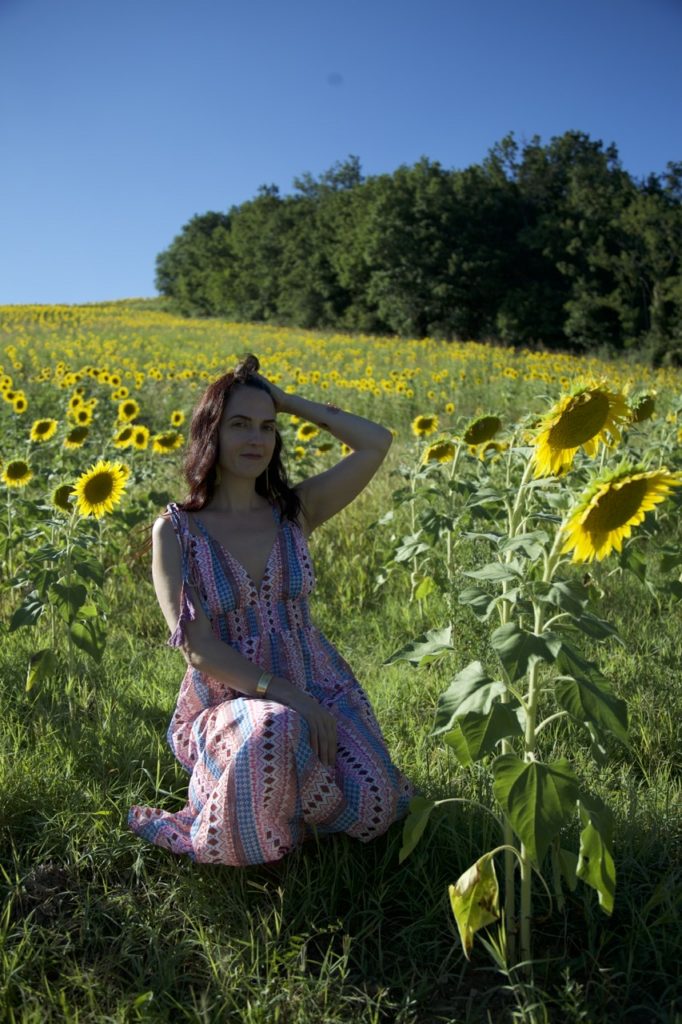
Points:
98	925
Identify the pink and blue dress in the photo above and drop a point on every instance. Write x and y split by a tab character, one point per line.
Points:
256	788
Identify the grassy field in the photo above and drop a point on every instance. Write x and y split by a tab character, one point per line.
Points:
100	926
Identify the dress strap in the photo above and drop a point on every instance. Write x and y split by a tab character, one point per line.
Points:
178	518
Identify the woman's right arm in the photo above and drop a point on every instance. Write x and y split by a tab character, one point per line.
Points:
205	652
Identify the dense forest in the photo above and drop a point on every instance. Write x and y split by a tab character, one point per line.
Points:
542	245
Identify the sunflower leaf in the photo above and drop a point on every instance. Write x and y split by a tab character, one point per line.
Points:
474	899
478	600
590	699
595	862
517	649
90	636
69	598
496	572
425	649
415	823
531	544
40	665
539	799
477	733
28	612
470	690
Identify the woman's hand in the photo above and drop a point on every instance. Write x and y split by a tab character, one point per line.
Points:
321	723
278	396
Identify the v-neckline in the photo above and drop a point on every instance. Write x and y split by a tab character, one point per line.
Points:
214	540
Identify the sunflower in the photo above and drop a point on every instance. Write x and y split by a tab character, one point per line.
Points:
20	403
643	408
99	489
449	408
128	410
16	473
587	416
60	497
299	451
345	448
610	507
76	437
177	418
440	451
306	432
43	430
140	438
75	402
167	442
119	394
482	429
423	425
124	437
480	450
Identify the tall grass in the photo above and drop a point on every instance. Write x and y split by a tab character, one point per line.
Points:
99	926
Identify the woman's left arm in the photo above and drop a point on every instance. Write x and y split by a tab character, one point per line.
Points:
327	493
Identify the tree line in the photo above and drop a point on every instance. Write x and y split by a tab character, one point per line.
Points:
550	245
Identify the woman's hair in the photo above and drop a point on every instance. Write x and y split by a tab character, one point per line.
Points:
202	452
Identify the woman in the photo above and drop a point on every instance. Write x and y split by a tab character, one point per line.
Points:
277	733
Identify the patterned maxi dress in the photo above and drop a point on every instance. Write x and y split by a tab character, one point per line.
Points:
256	789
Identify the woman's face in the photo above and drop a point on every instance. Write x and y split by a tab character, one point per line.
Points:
247	428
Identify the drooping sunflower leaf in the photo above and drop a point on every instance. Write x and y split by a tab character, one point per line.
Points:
475	900
595	862
414	825
531	544
90	636
40	665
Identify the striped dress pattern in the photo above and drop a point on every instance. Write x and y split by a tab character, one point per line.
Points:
256	789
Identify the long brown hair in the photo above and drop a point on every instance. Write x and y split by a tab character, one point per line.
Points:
202	451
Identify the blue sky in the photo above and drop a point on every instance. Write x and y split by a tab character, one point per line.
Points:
121	119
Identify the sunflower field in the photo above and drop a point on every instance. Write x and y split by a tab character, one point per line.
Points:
507	590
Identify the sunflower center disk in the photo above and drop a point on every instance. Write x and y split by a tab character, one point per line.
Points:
99	488
580	421
615	508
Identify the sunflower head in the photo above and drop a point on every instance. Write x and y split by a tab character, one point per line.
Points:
16	473
482	429
76	437
424	425
167	442
43	430
589	415
440	451
128	410
124	437
610	507
177	418
60	497
140	437
643	408
20	403
99	489
307	431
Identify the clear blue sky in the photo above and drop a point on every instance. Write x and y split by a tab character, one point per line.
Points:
121	119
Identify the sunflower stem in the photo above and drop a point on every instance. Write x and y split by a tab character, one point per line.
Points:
8	548
530	735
